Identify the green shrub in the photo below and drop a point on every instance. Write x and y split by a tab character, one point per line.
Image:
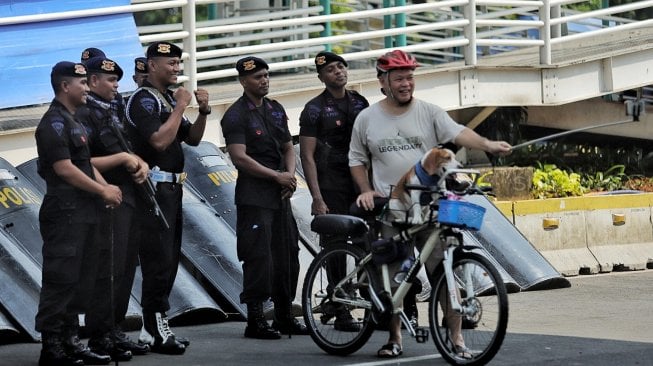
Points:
610	180
549	182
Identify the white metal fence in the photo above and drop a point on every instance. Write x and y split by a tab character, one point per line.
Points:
289	36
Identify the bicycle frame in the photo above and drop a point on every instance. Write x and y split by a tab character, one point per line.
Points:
429	246
469	305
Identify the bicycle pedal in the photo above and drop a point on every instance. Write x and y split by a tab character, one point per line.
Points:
421	335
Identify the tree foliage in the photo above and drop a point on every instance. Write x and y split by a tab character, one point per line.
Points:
167	16
641	14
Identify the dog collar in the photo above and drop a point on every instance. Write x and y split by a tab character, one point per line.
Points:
424	178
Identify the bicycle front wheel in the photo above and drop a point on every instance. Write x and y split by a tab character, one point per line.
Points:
335	299
474	336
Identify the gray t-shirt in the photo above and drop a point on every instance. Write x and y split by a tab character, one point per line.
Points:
392	144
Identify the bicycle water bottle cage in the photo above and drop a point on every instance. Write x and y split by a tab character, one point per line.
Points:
386	251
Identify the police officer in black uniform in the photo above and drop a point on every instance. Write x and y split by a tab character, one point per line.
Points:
140	70
104	119
325	132
259	144
67	219
325	124
91	52
157	116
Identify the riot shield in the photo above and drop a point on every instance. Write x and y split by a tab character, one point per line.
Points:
510	248
20	285
8	333
189	302
209	248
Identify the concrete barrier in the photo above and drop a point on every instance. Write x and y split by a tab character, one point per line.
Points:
588	235
557	228
619	231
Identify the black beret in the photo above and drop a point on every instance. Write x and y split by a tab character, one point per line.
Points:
67	68
324	58
163	49
103	65
249	65
91	52
140	65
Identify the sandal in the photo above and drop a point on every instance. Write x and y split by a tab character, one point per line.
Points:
463	352
390	350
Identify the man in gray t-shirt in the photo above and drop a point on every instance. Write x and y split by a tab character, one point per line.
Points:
391	136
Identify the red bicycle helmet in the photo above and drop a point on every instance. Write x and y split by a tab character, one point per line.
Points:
394	60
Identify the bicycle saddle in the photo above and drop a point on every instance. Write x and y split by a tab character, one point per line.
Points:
339	224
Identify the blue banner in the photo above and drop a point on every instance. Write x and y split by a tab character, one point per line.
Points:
28	51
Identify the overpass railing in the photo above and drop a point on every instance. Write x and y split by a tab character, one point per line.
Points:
290	33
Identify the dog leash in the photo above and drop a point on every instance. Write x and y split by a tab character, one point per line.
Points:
564	133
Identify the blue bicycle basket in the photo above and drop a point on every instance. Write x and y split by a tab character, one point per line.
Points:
461	214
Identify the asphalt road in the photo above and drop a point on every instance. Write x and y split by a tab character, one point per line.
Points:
600	320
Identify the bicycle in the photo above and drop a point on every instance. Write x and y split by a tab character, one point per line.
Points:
467	290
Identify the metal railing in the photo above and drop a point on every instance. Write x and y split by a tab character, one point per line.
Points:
288	38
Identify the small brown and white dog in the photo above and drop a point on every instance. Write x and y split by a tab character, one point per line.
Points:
426	172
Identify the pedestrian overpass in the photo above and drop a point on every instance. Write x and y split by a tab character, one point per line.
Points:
569	68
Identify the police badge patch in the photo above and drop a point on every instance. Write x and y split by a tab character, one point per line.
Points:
149	104
58	126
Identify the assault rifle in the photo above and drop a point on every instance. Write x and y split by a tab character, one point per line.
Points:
147	187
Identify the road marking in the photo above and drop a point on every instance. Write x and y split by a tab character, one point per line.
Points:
393	361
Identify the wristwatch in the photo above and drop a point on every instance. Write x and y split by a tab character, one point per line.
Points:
207	112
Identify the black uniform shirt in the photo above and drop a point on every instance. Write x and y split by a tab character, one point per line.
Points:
103	121
263	131
331	121
60	137
146	113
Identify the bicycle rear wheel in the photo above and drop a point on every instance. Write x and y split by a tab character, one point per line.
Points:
338	317
483	326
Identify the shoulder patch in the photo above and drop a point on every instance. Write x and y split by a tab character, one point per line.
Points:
149	104
58	126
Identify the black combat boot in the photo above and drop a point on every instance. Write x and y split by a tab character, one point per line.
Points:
285	322
53	353
104	345
157	334
257	327
182	340
122	341
77	349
